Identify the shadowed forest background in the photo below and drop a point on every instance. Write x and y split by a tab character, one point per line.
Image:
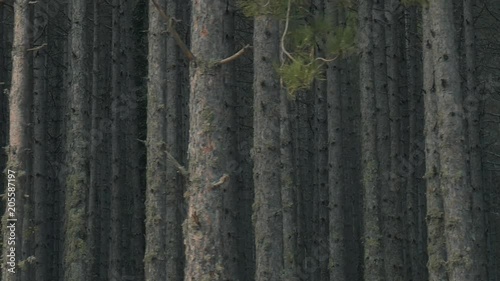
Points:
267	140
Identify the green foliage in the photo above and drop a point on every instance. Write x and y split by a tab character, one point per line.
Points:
305	33
408	3
342	39
299	74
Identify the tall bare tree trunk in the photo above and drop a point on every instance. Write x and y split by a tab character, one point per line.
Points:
119	92
77	254
436	243
394	264
471	103
40	173
211	179
174	247
456	191
18	148
288	191
267	217
372	236
155	256
336	239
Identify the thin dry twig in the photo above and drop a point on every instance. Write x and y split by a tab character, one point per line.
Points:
283	49
170	28
37	47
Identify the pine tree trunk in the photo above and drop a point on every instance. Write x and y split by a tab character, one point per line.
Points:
77	254
174	247
155	256
411	148
335	164
267	217
336	240
372	236
436	243
97	146
3	98
352	173
40	149
288	191
230	198
17	164
471	103
119	90
394	263
211	179
456	192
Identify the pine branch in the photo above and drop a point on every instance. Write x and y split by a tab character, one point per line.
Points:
177	165
172	159
173	33
282	43
37	47
234	56
221	181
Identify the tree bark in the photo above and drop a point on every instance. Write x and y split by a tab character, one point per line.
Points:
174	246
17	165
372	236
436	243
472	105
267	216
155	256
40	173
211	179
77	254
288	191
456	191
394	264
336	239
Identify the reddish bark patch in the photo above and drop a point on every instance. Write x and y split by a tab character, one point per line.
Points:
204	32
209	147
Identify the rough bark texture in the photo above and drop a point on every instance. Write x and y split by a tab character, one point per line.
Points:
394	234
471	104
436	243
372	238
174	246
288	191
18	140
3	98
211	178
118	173
353	194
77	254
155	256
412	145
40	175
455	190
96	158
336	240
230	218
267	216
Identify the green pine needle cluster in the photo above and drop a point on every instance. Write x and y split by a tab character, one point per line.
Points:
302	42
408	3
342	39
305	34
299	74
